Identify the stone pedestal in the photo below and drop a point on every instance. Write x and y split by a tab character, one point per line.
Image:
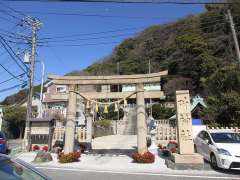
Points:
190	159
141	120
71	123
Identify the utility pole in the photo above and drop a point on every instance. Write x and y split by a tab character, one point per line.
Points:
35	25
118	72
41	91
234	35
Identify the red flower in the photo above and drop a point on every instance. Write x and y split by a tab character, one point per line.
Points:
45	148
146	157
35	148
70	157
173	150
160	146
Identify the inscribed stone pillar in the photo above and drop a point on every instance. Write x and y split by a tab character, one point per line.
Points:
70	124
89	129
184	122
141	120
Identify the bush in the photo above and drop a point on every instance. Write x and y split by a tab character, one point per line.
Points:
103	123
70	157
172	146
146	157
35	148
45	148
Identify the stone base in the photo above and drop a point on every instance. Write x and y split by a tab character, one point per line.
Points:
188	159
185	162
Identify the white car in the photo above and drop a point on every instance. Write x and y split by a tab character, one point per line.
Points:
220	147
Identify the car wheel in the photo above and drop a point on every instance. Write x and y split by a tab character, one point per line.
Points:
213	161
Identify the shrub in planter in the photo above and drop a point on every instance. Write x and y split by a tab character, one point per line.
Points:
45	148
146	157
35	148
172	146
70	157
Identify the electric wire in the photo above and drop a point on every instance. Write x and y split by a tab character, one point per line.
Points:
20	75
4	44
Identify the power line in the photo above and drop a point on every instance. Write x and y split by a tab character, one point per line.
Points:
92	44
144	1
11	73
10	88
97	15
93	38
94	33
78	45
20	75
110	31
7	20
9	14
12	9
2	41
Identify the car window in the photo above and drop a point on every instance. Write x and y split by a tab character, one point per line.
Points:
206	136
10	170
226	137
201	135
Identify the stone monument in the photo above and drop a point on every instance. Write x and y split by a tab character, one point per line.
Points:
185	153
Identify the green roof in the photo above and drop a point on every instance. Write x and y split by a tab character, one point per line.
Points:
197	100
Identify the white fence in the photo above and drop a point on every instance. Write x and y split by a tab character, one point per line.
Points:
234	129
80	135
168	132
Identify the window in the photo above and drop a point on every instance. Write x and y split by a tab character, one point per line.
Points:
61	89
226	137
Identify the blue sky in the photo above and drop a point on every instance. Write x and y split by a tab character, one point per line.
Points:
61	60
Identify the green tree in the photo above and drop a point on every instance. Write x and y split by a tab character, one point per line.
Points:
224	96
161	112
16	116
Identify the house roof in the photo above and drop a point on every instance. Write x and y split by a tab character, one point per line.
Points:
197	100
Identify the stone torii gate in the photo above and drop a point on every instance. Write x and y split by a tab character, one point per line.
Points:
139	80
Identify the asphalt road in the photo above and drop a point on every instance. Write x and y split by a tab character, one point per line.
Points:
64	174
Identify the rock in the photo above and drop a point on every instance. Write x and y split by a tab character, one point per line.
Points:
43	157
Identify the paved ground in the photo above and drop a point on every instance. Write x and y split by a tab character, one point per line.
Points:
127	142
62	174
109	166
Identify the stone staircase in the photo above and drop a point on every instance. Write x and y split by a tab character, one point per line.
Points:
128	126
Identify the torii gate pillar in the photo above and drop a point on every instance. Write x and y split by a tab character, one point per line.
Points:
141	120
70	123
